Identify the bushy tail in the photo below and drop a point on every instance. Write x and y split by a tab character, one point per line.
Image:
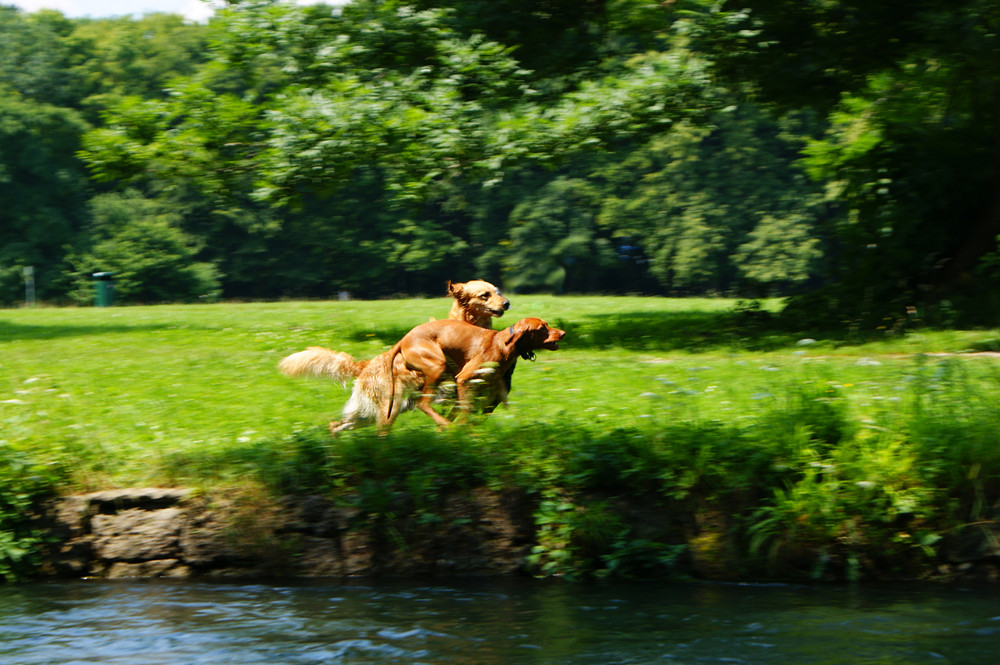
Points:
322	363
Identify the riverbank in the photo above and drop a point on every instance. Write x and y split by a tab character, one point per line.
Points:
148	533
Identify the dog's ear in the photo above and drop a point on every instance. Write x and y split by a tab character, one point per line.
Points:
456	289
518	332
515	332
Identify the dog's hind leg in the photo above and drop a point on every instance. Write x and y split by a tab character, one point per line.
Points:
432	374
357	412
338	426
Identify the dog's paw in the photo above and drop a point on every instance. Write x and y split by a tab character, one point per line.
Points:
337	426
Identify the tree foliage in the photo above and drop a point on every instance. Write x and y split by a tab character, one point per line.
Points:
912	154
143	246
842	151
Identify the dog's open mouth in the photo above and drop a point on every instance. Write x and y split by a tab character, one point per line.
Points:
552	342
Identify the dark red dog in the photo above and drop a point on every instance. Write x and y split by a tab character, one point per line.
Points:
472	352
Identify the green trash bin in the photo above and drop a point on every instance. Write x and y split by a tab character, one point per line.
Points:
104	289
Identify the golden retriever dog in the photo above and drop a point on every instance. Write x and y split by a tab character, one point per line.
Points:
475	302
467	352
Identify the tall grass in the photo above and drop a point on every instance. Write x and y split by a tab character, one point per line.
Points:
660	422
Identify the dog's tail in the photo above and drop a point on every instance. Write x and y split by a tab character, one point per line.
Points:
392	379
322	363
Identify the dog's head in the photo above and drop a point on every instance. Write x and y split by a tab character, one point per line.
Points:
531	334
479	297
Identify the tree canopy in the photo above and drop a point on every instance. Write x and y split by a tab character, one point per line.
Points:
911	152
844	153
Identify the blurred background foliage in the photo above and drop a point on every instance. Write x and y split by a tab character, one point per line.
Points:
843	153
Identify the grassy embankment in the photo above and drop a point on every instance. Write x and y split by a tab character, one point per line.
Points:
663	431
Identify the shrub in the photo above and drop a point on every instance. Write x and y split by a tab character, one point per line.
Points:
22	483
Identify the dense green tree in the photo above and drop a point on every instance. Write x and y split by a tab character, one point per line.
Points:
912	157
34	60
55	75
151	258
553	38
347	153
385	100
698	202
42	184
555	242
43	191
779	253
390	145
112	57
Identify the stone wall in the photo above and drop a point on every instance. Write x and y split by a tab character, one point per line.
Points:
157	532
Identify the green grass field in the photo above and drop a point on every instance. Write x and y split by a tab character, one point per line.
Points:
700	400
124	390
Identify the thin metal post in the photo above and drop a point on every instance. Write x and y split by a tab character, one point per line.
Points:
29	285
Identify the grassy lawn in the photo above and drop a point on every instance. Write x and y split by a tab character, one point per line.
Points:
123	392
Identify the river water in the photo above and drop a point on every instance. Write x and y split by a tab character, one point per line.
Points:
495	623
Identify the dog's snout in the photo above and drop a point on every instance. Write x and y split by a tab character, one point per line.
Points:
506	304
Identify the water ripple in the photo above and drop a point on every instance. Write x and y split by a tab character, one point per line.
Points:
491	623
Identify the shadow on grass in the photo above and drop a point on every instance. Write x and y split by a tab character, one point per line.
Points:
10	332
313	462
533	456
681	331
986	346
649	331
385	334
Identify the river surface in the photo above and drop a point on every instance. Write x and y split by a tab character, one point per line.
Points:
495	623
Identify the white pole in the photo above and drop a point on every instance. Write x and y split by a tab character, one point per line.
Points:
29	285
